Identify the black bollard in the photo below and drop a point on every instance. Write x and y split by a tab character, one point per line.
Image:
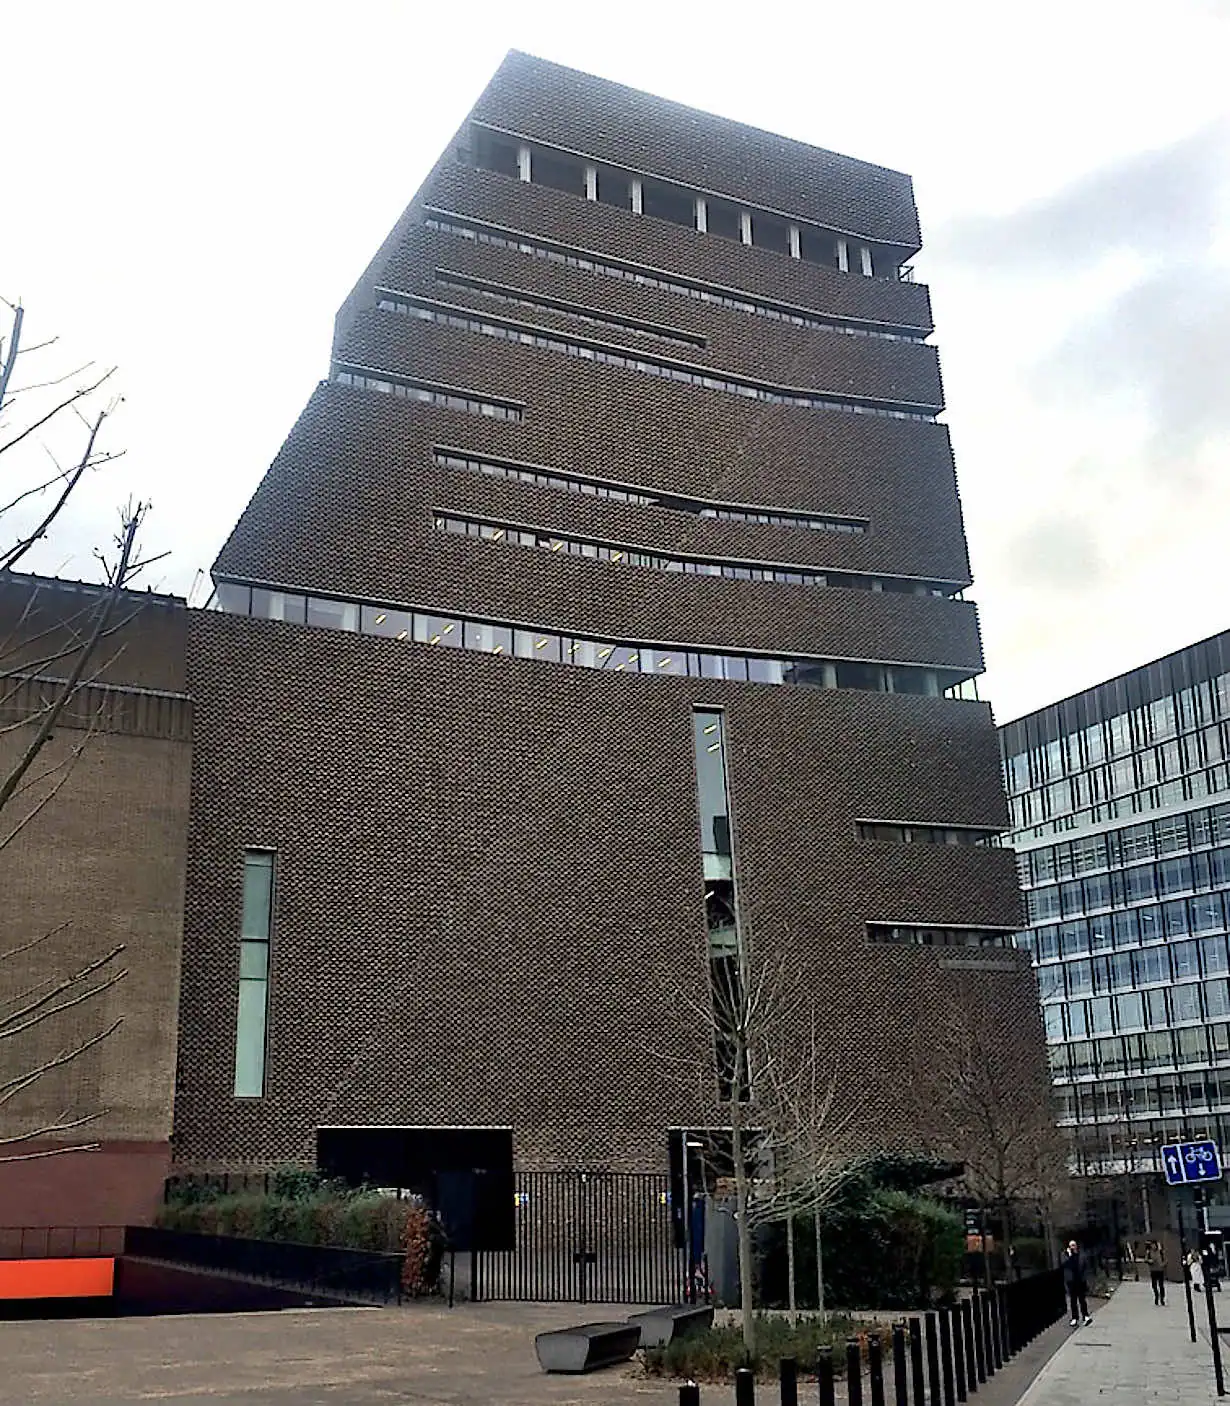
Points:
825	1390
1214	1335
958	1351
788	1380
875	1369
996	1330
933	1360
988	1350
967	1327
1007	1342
950	1398
689	1394
901	1387
854	1373
745	1387
916	1362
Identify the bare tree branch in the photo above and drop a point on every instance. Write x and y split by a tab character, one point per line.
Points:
9	559
19	1082
16	1021
40	998
127	540
78	395
10	360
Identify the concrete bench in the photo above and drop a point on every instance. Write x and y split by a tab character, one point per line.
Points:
660	1326
584	1348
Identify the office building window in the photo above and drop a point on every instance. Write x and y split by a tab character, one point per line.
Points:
253	1005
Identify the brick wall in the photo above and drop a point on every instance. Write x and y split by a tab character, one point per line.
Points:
580	112
99	866
496	914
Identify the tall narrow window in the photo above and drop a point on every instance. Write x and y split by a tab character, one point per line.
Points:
253	973
721	908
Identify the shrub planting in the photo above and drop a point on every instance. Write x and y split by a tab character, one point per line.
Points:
304	1209
714	1355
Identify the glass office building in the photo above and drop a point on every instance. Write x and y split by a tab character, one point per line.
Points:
1120	803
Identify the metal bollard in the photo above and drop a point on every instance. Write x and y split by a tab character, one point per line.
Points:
875	1369
689	1394
916	1362
788	1381
984	1329
967	1329
933	1360
854	1373
901	1386
958	1351
946	1357
825	1390
745	1387
1214	1336
1006	1342
995	1329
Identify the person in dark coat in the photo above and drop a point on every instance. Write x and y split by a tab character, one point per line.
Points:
1076	1282
1155	1254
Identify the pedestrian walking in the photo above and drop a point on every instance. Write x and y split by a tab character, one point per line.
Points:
1155	1258
1194	1271
1076	1282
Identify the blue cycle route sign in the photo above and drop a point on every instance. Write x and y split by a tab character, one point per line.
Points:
1187	1162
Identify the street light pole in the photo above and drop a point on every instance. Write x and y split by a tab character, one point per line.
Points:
688	1288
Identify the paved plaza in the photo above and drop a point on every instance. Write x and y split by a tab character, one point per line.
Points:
1133	1353
475	1355
480	1355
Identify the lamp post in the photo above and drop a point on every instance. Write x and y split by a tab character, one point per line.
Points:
689	1286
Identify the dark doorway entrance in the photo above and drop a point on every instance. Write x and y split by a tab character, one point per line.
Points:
464	1174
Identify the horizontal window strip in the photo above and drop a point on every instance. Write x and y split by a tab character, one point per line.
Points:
686	373
909	935
408	623
893	832
732	569
520	297
737	301
370	379
628	493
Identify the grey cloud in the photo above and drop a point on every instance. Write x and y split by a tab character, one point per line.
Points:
1166	342
1057	552
1155	201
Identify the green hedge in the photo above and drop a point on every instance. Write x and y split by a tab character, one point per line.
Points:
305	1209
883	1249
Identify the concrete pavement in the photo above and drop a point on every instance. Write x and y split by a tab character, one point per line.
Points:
1134	1353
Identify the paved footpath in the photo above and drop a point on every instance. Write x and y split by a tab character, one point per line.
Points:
1134	1352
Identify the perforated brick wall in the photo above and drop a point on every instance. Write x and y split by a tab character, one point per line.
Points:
489	888
490	899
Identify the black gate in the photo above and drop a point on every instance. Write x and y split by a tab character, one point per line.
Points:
586	1238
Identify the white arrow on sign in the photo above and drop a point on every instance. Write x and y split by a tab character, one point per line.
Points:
1172	1162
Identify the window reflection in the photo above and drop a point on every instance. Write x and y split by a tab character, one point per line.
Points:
490	637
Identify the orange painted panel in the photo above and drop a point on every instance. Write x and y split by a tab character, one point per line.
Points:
56	1279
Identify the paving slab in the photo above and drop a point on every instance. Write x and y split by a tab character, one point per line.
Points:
1133	1353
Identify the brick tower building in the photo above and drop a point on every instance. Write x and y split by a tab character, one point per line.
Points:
602	612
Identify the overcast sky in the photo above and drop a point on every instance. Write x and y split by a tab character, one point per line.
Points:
189	192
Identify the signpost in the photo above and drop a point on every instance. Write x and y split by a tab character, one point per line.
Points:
1188	1162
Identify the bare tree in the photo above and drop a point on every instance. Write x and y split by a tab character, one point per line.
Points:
982	1101
47	662
771	1082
